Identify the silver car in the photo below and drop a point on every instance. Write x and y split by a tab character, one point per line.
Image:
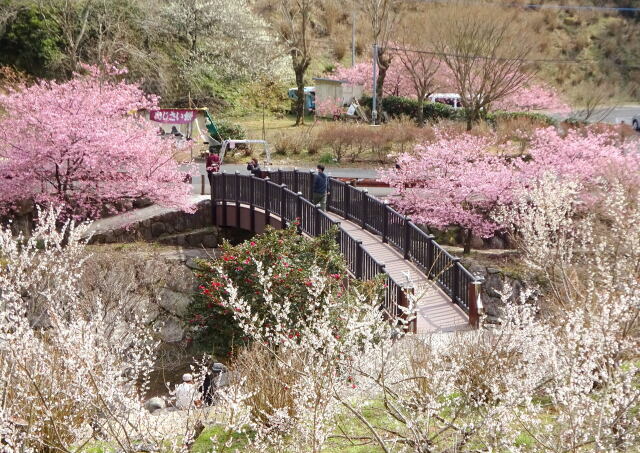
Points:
635	121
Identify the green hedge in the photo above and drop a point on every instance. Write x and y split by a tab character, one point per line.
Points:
396	106
495	117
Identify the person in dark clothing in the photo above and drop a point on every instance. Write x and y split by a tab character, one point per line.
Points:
320	185
254	167
176	132
213	164
214	379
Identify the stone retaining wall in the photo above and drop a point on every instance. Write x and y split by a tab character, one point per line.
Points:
180	226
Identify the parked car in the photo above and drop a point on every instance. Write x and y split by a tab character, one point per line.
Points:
636	122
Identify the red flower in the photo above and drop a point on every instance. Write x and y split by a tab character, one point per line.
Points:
253	244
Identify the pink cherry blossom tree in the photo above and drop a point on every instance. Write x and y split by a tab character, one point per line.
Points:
534	96
582	155
396	83
80	144
464	180
454	181
399	81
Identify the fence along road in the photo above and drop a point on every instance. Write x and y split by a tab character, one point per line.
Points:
374	239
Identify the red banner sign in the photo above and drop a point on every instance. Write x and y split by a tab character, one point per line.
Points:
172	116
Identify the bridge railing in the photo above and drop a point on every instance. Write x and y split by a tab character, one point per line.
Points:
286	194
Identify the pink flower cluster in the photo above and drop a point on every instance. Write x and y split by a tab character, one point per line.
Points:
398	82
80	144
329	107
462	180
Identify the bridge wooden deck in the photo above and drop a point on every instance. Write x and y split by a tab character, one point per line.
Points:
435	312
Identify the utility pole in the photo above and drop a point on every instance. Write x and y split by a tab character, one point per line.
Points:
353	38
374	111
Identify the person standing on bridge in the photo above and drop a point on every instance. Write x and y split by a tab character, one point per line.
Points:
213	163
254	167
320	186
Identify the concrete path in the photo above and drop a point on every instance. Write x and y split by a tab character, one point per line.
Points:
436	312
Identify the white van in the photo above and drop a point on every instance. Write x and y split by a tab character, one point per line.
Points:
450	99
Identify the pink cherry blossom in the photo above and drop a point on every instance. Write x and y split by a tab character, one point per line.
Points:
454	181
463	180
534	96
80	144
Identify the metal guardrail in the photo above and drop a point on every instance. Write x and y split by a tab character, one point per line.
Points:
286	194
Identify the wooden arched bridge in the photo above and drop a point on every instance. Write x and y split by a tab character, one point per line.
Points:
374	238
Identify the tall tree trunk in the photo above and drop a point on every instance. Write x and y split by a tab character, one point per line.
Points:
383	66
467	242
420	111
300	102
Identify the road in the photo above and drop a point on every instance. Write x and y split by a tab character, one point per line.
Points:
612	115
337	172
331	171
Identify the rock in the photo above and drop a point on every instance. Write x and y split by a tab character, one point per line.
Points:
209	241
477	242
154	404
496	243
144	309
158	229
172	330
191	264
174	302
141	203
493	270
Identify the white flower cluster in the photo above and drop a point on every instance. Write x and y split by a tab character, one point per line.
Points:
73	367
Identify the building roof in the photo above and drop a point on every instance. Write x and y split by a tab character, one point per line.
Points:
325	79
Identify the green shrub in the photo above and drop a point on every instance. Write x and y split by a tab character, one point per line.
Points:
494	118
230	130
326	158
397	106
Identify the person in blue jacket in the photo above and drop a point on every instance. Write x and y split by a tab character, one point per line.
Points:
320	186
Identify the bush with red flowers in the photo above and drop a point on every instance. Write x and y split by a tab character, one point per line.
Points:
291	262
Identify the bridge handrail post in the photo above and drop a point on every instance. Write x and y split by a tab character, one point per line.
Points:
316	220
407	237
299	211
296	186
475	304
283	206
430	258
455	281
224	199
311	179
385	222
237	191
214	204
359	258
365	208
267	200
347	201
252	202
